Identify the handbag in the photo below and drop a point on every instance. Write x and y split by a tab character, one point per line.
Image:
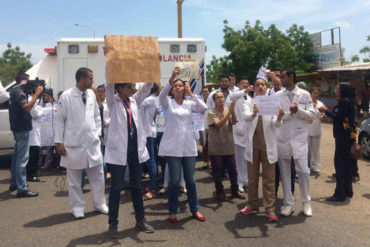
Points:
356	151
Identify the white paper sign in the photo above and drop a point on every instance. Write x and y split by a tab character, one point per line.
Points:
46	126
197	121
267	105
188	70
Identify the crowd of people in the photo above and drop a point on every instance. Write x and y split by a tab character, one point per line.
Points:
113	129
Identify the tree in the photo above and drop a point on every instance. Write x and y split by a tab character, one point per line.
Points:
366	51
355	59
12	62
253	46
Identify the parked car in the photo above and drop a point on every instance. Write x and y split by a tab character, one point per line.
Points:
6	135
364	138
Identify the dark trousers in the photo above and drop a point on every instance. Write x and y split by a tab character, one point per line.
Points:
160	160
117	176
218	163
343	168
33	160
277	177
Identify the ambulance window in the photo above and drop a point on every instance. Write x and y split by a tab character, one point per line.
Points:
192	48
73	49
175	48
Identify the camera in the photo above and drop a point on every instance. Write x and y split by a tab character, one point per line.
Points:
31	85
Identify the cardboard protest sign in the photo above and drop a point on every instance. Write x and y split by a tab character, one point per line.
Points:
188	70
267	105
132	59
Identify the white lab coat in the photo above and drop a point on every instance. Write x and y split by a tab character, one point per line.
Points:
35	136
4	95
78	127
106	119
269	124
292	134
239	129
178	138
148	109
116	146
314	129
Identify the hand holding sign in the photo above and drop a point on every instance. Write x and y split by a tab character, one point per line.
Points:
267	105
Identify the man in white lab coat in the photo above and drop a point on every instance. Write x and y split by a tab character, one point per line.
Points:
78	129
292	141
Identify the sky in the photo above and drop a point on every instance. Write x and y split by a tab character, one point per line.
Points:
37	24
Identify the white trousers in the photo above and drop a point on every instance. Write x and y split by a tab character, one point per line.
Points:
241	165
96	180
167	177
303	172
314	152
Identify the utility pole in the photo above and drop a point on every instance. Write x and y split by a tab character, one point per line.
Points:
179	18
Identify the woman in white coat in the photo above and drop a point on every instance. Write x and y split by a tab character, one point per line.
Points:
178	144
314	132
261	149
126	145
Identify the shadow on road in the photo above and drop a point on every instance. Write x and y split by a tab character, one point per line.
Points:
366	196
56	219
102	238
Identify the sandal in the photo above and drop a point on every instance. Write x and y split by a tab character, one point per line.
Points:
148	196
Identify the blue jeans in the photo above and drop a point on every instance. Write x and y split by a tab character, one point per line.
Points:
151	164
18	176
175	164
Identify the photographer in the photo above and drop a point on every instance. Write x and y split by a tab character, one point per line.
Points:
21	125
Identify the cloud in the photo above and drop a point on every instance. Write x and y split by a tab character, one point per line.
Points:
342	24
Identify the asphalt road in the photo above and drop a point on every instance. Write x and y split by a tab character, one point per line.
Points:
46	221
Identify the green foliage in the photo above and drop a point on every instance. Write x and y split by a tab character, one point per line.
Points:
253	46
12	62
355	58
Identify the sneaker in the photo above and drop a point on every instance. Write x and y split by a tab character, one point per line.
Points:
144	226
286	211
27	193
248	209
272	215
184	190
78	215
307	209
241	190
112	230
33	179
104	209
162	191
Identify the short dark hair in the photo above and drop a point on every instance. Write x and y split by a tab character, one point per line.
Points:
82	72
243	78
276	69
224	76
290	72
214	95
346	91
101	86
232	75
21	77
204	87
314	89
